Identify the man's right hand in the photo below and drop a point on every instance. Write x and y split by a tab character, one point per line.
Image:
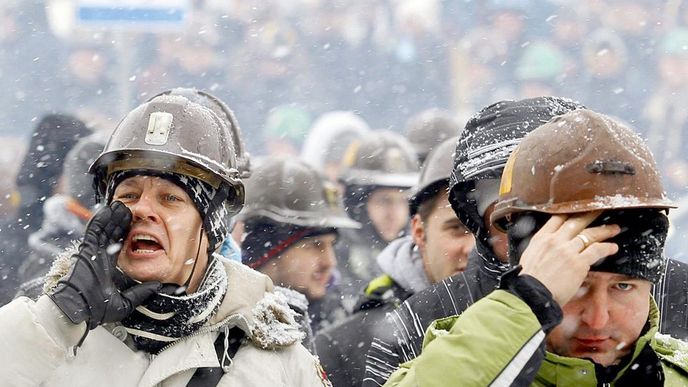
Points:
560	259
88	292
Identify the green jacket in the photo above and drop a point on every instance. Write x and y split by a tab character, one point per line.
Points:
498	340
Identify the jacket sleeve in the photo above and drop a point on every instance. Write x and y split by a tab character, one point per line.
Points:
36	339
498	341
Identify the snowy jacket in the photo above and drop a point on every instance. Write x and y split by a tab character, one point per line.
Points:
399	337
38	345
499	342
343	347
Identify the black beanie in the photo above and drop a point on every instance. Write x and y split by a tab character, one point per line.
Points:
265	240
641	241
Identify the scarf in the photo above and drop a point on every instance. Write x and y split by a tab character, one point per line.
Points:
165	319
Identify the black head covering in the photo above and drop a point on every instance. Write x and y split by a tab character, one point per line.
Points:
482	151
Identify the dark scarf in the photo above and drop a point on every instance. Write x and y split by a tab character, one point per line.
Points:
165	319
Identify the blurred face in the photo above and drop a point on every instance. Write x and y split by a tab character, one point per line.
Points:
498	240
165	232
388	210
444	241
305	266
603	320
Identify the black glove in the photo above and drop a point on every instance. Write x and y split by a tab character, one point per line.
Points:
88	292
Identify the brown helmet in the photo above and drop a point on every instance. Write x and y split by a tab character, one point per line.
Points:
170	133
578	162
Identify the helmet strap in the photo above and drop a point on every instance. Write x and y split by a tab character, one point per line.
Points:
193	269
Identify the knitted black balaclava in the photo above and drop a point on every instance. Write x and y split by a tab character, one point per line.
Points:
641	241
209	202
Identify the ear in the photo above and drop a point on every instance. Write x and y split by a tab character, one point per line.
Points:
418	230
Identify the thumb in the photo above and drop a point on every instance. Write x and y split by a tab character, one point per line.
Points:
138	294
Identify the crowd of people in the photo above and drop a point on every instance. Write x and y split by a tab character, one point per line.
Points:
294	198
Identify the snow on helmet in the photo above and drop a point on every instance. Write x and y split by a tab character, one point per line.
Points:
172	134
226	115
597	164
290	191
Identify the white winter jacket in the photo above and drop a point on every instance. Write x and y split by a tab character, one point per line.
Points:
37	343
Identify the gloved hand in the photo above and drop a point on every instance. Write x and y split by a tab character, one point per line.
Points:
88	291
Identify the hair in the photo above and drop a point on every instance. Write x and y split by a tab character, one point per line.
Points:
432	196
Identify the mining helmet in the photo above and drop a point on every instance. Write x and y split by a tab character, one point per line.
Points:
578	162
172	134
434	173
380	159
226	115
289	191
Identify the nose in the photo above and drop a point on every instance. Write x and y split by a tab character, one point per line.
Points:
328	260
143	209
596	309
467	244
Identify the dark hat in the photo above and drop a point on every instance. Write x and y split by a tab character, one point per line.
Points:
641	241
481	153
52	138
265	239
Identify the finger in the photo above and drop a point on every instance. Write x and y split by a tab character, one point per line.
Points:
138	294
598	251
577	223
119	221
553	223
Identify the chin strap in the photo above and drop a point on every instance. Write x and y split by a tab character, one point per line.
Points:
185	286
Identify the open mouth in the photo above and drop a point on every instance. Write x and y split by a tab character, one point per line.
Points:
144	244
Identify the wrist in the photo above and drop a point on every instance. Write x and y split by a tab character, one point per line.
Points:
535	295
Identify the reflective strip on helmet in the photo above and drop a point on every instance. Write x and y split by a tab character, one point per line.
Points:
166	165
507	175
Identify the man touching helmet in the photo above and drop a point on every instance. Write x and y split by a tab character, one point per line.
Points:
586	223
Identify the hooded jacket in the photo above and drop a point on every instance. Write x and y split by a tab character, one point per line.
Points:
42	343
481	153
342	348
472	350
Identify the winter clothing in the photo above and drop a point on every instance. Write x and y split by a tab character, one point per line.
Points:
382	159
400	336
342	348
90	290
500	340
36	180
42	341
265	240
481	154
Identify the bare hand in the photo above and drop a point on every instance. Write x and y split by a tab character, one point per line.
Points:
560	259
